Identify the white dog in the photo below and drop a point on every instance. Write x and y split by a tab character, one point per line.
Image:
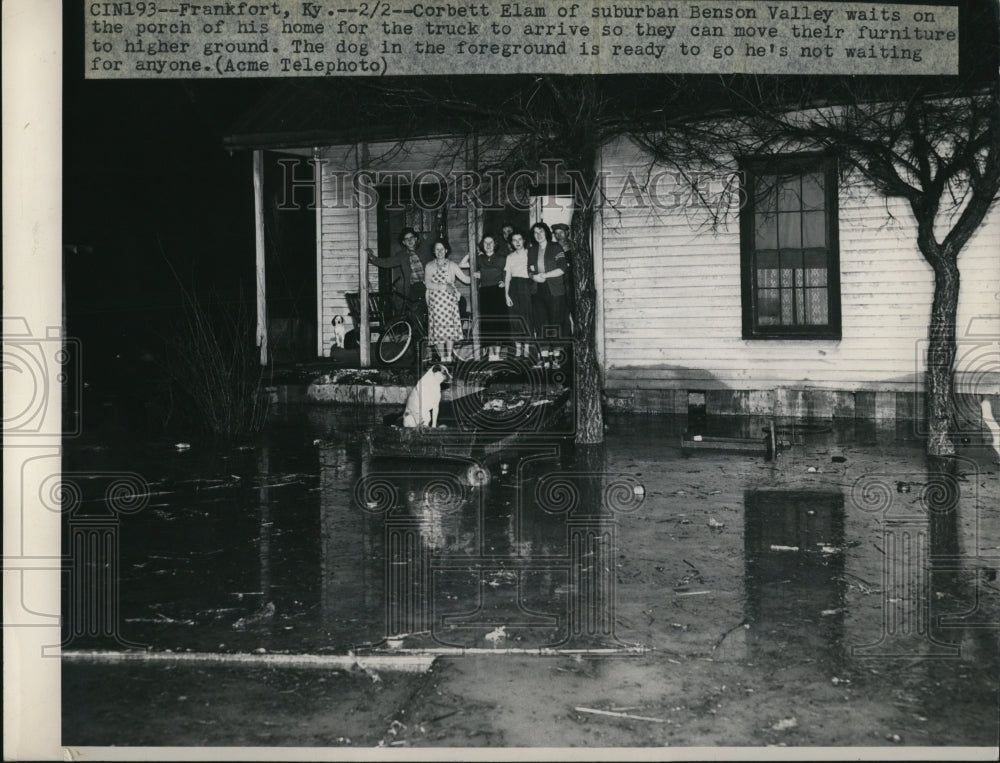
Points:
338	331
424	400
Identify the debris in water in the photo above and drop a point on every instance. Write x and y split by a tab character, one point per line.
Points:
812	469
264	613
496	635
784	548
358	668
692	593
715	523
828	612
837	681
894	738
785	724
182	445
614	714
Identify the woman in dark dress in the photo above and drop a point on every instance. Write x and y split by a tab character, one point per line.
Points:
490	265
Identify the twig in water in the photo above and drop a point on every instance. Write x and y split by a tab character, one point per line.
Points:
718	643
613	714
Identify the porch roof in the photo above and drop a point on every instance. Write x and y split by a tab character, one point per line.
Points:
310	112
342	111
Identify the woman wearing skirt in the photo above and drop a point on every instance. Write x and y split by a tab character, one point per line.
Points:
444	323
493	323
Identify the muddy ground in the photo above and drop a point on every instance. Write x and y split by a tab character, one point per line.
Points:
844	594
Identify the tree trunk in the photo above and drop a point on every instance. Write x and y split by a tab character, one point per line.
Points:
941	352
587	384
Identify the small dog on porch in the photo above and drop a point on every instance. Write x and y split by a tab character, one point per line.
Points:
339	331
424	399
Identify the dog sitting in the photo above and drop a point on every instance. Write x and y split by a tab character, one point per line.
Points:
424	399
339	330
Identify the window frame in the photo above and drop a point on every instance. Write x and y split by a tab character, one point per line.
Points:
790	164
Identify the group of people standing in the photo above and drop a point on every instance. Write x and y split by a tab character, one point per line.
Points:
523	293
523	288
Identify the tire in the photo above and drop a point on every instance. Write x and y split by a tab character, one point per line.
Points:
395	341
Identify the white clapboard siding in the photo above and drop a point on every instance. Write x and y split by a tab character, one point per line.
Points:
672	302
339	231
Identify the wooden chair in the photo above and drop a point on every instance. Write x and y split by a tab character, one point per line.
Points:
379	311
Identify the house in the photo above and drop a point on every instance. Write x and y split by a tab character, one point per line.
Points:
810	299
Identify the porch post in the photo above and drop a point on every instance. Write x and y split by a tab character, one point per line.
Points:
472	212
318	201
258	214
597	249
364	333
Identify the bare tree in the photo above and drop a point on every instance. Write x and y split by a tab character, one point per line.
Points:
941	153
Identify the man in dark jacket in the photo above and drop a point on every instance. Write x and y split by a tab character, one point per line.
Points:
409	264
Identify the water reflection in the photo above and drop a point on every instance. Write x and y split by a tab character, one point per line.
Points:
524	561
794	557
281	548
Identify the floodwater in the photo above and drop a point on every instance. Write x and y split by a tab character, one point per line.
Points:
843	593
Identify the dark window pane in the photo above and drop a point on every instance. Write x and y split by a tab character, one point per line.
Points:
789	195
789	230
766	194
766	236
813	229
814	260
768	313
813	191
767	259
791	259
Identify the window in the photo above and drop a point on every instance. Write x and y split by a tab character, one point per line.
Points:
789	250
